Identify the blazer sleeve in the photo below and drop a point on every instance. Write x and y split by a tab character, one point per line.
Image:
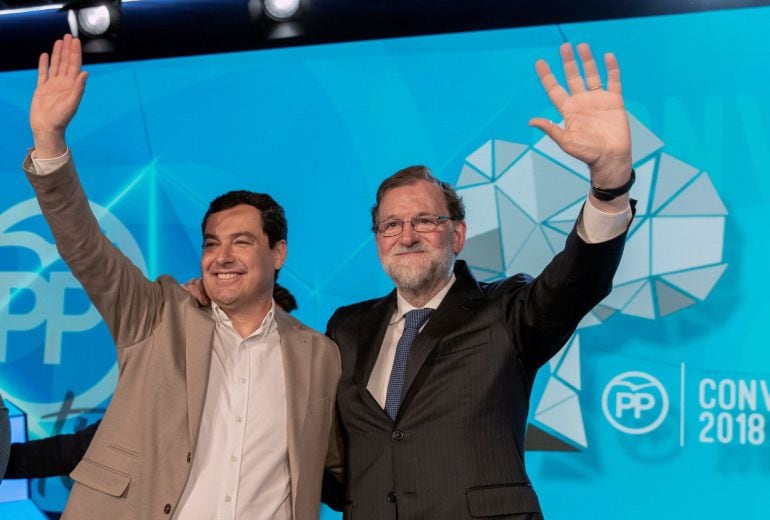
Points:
543	313
333	483
51	457
128	302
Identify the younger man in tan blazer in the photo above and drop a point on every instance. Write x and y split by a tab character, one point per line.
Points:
219	412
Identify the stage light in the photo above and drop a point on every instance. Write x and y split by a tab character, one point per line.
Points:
280	19
94	21
281	10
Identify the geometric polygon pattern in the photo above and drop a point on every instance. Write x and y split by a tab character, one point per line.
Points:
522	201
559	406
674	253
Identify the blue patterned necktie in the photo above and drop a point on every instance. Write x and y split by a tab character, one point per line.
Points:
414	320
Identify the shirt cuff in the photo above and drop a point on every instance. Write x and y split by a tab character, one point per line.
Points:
596	226
48	166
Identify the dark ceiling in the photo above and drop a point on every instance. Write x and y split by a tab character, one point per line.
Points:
159	28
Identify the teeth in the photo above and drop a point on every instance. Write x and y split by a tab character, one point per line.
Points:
226	276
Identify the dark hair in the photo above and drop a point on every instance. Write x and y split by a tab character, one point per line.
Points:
273	218
413	175
283	298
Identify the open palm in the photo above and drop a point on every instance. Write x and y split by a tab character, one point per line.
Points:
60	87
595	122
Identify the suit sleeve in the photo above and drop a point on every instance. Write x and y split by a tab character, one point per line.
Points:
51	457
544	313
333	484
128	302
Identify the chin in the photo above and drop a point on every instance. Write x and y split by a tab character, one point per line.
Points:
421	275
409	277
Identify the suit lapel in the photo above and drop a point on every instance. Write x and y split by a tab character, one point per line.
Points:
451	312
296	350
371	333
199	334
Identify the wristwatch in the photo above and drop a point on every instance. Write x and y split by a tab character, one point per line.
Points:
610	193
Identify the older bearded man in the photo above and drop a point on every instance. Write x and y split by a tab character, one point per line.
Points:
436	376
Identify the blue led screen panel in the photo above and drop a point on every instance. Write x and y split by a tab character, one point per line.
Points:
660	401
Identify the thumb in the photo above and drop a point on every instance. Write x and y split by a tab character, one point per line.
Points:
550	128
81	80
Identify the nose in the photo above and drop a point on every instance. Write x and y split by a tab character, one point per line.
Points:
224	254
408	235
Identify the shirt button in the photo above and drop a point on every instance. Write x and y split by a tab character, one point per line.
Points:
228	498
241	380
233	459
392	497
238	418
167	508
398	435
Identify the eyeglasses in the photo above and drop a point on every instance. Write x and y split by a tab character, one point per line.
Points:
421	223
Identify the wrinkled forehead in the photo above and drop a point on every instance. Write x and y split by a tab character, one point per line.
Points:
418	198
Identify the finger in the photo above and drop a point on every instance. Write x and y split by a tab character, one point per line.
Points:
55	59
196	289
555	92
551	129
81	81
75	59
65	54
613	73
593	80
571	69
42	69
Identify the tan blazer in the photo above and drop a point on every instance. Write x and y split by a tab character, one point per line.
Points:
140	459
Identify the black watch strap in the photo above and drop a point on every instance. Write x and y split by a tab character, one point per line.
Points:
610	193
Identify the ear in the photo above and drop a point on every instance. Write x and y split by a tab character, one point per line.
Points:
458	237
280	250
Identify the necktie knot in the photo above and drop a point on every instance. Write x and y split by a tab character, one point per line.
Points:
416	317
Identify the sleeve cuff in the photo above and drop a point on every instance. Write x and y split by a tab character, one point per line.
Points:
48	166
596	226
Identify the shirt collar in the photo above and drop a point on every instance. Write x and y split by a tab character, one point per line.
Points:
221	317
403	306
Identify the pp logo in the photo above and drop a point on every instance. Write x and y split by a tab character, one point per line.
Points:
48	328
635	402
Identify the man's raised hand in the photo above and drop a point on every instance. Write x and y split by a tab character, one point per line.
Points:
60	86
595	122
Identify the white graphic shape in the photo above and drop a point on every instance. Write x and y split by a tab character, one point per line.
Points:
49	303
635	398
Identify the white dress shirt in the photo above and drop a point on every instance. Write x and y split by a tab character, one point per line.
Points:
240	467
378	381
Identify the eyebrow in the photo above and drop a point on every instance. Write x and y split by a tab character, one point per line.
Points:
420	214
248	234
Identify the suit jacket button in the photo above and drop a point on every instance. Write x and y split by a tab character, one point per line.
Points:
189	456
392	497
398	435
167	508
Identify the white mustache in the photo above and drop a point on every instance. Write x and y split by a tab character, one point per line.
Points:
415	248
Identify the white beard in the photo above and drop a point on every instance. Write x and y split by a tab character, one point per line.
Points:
421	277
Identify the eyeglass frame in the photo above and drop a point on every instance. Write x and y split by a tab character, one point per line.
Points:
438	220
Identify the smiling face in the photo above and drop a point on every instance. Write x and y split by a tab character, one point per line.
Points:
238	265
419	264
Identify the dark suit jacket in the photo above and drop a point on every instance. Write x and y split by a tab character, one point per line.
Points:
456	448
50	457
